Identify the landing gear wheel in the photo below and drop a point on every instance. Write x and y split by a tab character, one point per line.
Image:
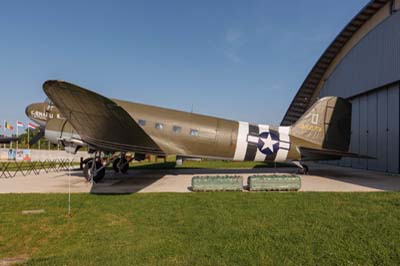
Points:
97	176
84	162
305	167
121	165
303	170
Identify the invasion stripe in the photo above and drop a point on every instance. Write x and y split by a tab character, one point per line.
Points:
241	143
284	144
252	146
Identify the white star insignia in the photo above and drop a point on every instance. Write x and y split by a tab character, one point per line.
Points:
269	143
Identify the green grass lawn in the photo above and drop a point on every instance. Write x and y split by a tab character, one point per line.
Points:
203	229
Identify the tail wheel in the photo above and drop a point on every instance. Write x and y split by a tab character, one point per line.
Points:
303	170
97	175
121	165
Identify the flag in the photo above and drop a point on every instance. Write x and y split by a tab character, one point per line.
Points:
20	124
8	126
32	126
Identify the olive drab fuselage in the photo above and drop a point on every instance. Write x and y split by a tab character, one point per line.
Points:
188	134
76	116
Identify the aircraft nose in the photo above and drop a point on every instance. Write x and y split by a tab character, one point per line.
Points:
36	112
30	109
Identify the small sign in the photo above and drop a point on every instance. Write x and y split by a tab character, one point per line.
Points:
26	155
11	154
19	155
3	154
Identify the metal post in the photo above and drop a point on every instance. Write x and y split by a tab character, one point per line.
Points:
16	149
28	138
69	189
4	131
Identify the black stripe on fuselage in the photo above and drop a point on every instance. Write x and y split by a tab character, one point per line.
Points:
285	142
251	150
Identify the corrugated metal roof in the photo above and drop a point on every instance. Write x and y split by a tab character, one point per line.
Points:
303	97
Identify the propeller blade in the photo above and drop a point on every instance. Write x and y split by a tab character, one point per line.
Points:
37	137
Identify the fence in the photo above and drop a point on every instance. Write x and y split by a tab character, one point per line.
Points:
11	169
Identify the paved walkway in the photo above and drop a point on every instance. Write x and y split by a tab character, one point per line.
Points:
321	178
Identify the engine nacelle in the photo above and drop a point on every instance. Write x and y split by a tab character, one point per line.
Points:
60	131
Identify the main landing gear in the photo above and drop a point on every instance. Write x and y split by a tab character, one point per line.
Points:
94	168
302	168
121	164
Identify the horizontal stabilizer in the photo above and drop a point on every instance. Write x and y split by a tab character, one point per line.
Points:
308	154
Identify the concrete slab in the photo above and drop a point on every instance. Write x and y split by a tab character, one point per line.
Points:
321	178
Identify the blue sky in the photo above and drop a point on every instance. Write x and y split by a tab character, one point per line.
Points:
242	60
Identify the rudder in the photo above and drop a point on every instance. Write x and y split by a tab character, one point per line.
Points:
326	125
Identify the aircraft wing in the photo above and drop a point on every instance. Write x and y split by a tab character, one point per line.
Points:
308	154
99	121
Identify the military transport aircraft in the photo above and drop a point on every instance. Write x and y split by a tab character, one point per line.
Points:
76	117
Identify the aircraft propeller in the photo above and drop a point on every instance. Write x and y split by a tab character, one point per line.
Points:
38	136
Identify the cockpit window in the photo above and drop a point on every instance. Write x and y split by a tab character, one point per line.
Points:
50	104
48	101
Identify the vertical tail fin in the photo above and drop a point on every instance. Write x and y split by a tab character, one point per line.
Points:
326	125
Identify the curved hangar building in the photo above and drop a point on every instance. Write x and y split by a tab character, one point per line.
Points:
362	64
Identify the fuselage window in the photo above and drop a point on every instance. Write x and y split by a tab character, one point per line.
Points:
176	129
142	122
194	132
159	126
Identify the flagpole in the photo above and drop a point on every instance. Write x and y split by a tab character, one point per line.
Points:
28	137
16	148
4	131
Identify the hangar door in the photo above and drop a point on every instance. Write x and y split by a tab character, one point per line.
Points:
375	130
